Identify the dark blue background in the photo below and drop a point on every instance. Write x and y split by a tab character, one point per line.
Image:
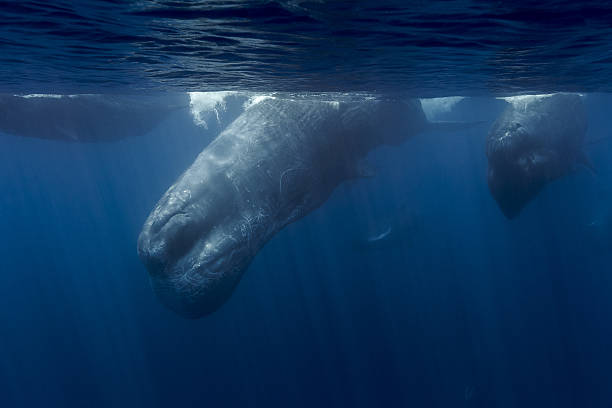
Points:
467	310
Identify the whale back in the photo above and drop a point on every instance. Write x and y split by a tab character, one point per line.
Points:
85	118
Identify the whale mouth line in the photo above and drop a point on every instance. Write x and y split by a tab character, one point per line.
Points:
198	282
159	226
177	214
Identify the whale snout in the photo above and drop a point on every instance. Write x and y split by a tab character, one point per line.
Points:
194	257
514	183
163	241
199	281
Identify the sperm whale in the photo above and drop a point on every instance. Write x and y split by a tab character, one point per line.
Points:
86	118
278	161
536	140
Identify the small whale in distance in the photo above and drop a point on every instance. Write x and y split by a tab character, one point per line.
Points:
398	229
85	118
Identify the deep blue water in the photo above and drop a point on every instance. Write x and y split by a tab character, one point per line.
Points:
463	309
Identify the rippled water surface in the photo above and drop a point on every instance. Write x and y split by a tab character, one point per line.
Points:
421	48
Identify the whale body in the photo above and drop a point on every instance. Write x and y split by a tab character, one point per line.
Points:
278	161
536	140
86	118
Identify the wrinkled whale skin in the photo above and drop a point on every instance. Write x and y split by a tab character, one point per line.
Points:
531	145
278	161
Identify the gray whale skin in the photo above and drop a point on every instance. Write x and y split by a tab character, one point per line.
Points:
533	144
278	161
86	118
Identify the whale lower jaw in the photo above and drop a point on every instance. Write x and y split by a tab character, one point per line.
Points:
194	297
199	281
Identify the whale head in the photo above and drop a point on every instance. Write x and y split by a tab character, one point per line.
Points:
194	250
519	167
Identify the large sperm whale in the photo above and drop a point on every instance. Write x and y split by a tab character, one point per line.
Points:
536	140
278	161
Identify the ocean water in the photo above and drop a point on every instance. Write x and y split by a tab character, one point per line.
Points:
460	307
438	48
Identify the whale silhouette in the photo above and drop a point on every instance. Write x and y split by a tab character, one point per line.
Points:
535	141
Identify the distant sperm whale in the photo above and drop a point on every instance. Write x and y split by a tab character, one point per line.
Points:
85	118
535	141
278	161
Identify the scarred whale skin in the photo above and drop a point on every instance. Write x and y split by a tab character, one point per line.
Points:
535	141
278	161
